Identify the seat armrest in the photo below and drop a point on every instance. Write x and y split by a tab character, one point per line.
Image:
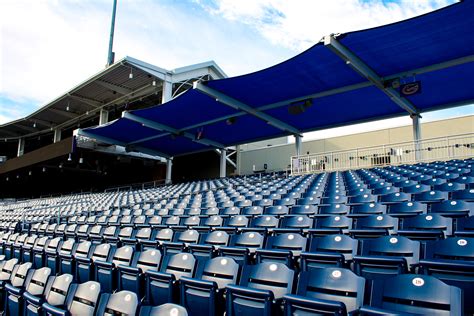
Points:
294	302
35	300
54	310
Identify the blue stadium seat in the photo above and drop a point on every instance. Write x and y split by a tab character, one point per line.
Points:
329	225
452	261
38	252
327	291
431	196
54	294
465	227
453	208
374	226
105	272
407	209
167	309
204	294
307	209
162	285
208	244
82	299
34	282
132	277
181	241
6	270
385	256
330	250
414	294
466	195
396	197
334	209
260	290
51	254
362	210
284	248
242	246
426	227
119	303
68	263
85	267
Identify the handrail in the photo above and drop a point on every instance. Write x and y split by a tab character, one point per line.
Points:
431	149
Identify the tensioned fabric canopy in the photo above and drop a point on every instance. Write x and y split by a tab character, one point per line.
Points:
344	79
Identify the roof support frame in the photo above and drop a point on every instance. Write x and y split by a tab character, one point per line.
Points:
113	87
162	127
364	70
81	132
236	104
87	101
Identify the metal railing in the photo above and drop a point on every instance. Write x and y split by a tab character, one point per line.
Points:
442	148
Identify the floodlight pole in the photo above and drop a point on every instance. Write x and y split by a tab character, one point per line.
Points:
111	55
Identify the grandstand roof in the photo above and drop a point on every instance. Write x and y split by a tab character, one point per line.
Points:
344	79
111	86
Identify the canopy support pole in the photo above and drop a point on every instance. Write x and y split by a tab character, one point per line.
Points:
238	159
298	145
222	169
417	136
169	170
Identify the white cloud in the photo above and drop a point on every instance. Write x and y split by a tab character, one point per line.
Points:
299	24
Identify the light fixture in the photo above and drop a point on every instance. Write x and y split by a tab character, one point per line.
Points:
18	176
67	107
231	121
81	160
153	83
34	124
44	169
61	165
29	173
130	76
7	178
299	107
69	158
87	112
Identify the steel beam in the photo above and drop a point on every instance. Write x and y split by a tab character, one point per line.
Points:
169	170
161	127
223	164
233	103
112	141
364	70
113	87
87	101
66	114
21	147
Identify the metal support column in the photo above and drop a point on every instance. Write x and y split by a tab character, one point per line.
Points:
167	91
21	147
169	168
103	117
222	169
239	159
57	135
417	136
298	145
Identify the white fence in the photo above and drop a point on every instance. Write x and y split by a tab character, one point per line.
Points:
443	148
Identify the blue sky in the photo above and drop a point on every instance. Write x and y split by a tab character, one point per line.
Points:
49	46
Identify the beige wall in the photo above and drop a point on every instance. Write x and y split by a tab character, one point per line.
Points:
277	157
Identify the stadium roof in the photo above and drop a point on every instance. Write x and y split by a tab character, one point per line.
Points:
111	86
343	79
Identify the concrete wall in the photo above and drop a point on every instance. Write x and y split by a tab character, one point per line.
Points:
277	157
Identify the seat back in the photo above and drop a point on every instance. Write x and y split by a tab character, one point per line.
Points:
148	260
221	270
102	252
287	241
120	303
123	255
57	289
180	264
84	298
333	284
37	284
271	276
417	294
19	274
248	240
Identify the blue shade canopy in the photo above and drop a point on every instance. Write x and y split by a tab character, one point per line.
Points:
344	79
